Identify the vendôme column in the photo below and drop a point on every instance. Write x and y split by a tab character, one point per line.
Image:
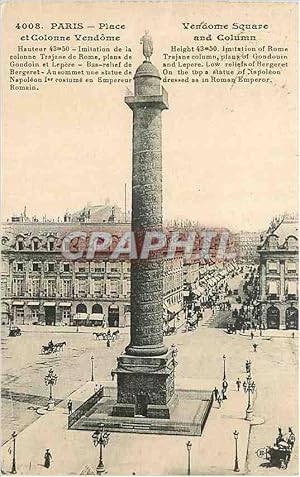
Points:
146	371
146	273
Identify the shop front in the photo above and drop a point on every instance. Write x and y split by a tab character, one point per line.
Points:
50	313
34	309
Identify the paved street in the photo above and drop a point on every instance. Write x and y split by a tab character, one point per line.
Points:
24	368
277	380
200	366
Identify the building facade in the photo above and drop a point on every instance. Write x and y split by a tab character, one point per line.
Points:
278	276
39	285
245	244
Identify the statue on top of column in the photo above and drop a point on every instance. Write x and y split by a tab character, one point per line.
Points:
147	42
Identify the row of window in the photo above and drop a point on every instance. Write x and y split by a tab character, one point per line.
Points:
274	266
84	267
35	313
273	288
80	267
65	288
35	244
80	287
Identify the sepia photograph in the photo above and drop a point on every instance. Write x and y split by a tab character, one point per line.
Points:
149	245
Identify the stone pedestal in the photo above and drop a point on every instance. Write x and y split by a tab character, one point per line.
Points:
145	386
51	405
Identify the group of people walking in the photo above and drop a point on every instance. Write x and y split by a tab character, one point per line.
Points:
220	396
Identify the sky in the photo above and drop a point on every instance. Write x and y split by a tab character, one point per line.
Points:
229	153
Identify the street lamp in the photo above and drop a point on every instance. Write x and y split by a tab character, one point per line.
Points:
189	447
101	439
13	467
249	387
92	363
224	361
248	367
51	380
236	462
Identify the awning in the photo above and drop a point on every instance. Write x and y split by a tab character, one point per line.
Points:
81	316
18	303
49	303
96	317
292	288
67	304
34	303
175	308
186	293
273	288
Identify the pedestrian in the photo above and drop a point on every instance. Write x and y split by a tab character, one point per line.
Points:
216	393
108	343
219	401
223	394
112	373
238	383
225	385
47	458
293	335
279	438
70	406
291	438
255	347
252	335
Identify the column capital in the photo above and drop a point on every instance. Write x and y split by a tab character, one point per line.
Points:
158	101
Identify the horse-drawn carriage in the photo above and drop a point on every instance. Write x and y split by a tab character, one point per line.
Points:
170	330
279	454
191	325
231	329
14	331
53	348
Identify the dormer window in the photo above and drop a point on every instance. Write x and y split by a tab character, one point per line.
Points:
292	243
51	245
20	245
273	242
35	244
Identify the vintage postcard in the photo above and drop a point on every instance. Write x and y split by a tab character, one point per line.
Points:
149	266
